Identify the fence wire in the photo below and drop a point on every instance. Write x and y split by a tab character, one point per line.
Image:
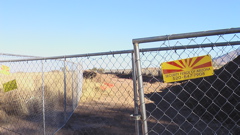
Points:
43	97
208	105
94	93
49	90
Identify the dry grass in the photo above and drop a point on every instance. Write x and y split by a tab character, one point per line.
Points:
94	88
90	90
27	98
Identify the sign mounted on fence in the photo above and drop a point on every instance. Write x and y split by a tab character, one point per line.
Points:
185	69
11	85
4	70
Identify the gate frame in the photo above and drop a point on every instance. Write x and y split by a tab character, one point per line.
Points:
137	61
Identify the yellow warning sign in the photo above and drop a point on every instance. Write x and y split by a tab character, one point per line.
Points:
11	85
4	70
185	69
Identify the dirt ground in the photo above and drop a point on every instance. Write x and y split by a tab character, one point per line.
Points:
167	113
107	112
110	112
108	104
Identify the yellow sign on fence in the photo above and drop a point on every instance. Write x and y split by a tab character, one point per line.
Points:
11	85
4	70
185	69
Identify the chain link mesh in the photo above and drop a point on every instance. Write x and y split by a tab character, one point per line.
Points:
93	93
49	90
44	96
107	99
208	105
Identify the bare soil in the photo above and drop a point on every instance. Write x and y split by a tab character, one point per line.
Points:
207	105
107	113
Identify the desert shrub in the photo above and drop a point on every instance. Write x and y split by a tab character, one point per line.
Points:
99	70
88	74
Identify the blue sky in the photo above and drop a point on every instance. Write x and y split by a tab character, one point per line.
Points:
66	27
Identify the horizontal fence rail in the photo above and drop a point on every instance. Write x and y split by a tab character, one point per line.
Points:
186	35
125	51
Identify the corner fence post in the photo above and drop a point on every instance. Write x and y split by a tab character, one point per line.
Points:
140	89
136	114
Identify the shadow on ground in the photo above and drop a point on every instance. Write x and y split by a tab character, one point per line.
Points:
99	120
207	105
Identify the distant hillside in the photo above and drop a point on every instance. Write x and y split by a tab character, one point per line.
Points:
224	59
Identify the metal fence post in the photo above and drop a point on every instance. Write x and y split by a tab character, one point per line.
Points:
43	100
73	106
140	88
135	115
79	82
65	92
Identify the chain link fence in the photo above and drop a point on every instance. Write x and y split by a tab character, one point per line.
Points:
38	96
96	93
207	105
48	90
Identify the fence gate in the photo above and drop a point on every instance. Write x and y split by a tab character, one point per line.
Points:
188	83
